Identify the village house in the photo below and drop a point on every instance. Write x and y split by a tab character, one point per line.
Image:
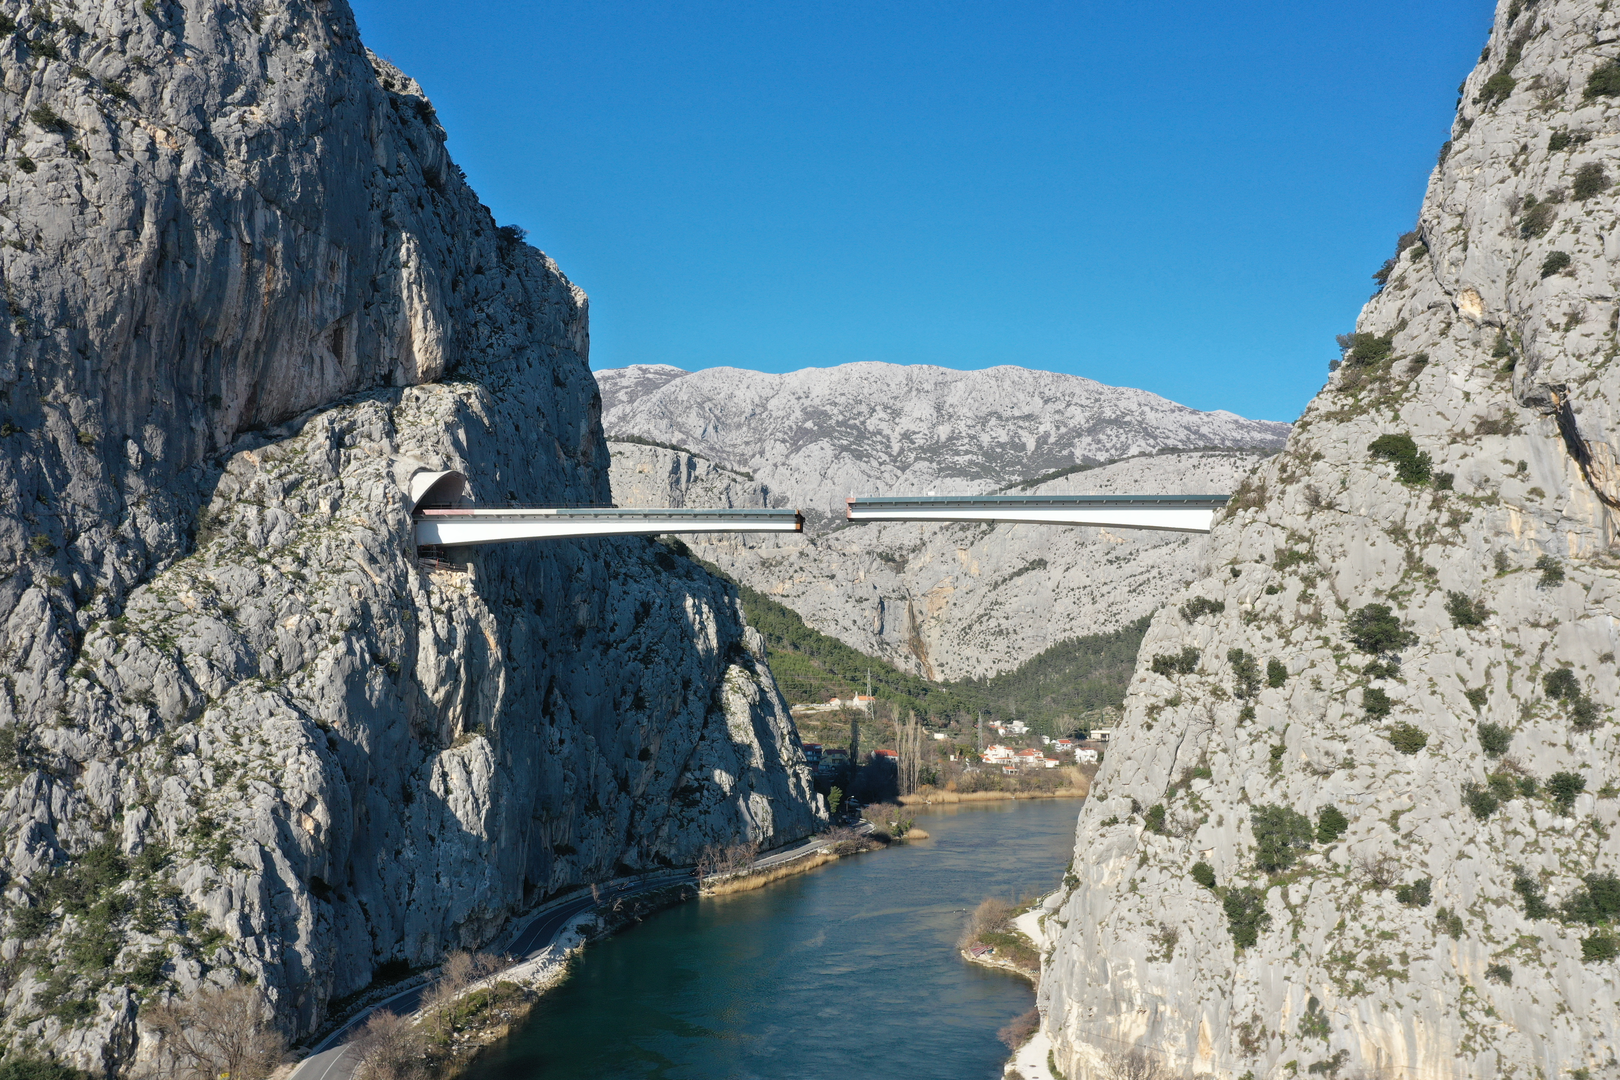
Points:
996	754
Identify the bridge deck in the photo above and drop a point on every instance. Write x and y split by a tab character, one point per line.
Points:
1174	513
457	527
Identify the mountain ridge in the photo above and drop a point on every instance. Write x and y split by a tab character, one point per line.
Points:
826	433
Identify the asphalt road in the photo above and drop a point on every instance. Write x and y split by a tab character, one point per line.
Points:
334	1057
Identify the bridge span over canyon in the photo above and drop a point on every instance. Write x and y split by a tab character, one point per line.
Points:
444	518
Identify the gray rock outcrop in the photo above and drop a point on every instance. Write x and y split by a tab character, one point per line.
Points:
1457	472
243	733
947	601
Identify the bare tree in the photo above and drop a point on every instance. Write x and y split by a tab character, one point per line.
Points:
715	861
1017	1031
992	915
908	744
460	970
1380	871
219	1031
390	1047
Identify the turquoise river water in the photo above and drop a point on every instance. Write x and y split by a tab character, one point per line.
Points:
850	970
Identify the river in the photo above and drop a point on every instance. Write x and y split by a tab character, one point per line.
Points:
850	970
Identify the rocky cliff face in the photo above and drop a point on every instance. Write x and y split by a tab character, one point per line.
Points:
243	733
1431	565
941	601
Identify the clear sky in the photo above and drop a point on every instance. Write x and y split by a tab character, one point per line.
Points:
1185	197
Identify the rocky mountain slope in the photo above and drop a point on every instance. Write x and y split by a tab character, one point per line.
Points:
816	436
1361	817
942	601
243	734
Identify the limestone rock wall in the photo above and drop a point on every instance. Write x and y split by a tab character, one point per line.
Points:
243	733
1491	539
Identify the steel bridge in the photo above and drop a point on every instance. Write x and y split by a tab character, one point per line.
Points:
1173	513
442	519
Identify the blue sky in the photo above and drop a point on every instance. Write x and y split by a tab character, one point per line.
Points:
1186	197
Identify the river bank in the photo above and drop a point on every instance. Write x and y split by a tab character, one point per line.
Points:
749	983
930	797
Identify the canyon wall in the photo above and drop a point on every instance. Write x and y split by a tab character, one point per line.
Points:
244	734
1410	617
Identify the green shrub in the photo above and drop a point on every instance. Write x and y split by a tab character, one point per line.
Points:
1499	973
1528	786
1280	834
1502	785
1276	672
29	922
1245	673
1444	481
1599	947
1200	606
1552	264
1604	81
1449	922
1154	818
1590	179
1381	275
46	118
148	968
1330	824
1417	894
1563	787
1496	88
1465	612
1477	696
26	163
1481	802
1552	572
87	880
1382	669
1246	916
7	23
1561	684
1535	897
1291	557
1314	1024
1598	902
1407	738
1204	874
1538	218
1182	663
1375	703
1412	466
1583	713
1374	628
1367	349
